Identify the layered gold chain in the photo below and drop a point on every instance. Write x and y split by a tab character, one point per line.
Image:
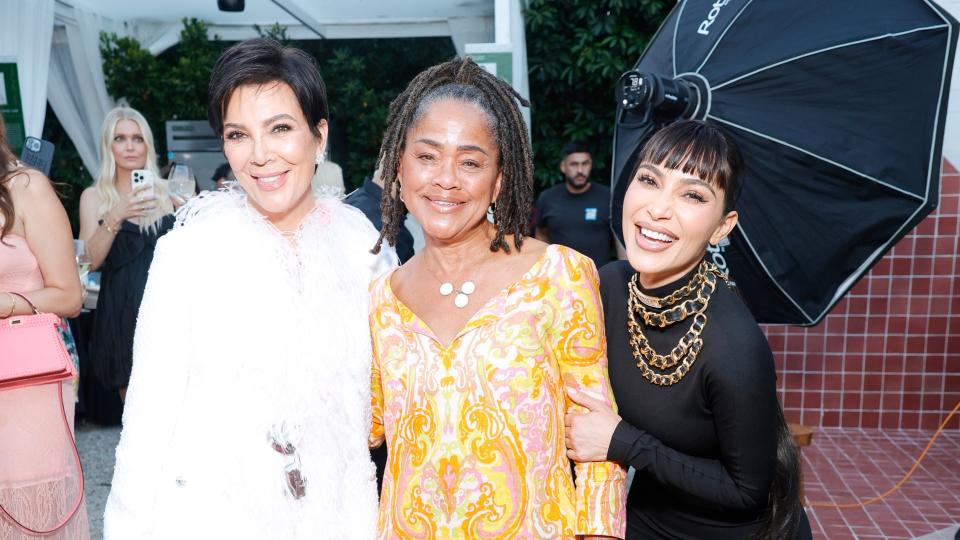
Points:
681	358
670	299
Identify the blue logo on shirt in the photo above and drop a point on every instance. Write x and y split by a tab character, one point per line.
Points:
591	214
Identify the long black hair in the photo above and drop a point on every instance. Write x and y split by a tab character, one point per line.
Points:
784	508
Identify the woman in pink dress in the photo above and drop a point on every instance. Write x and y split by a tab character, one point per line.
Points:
38	475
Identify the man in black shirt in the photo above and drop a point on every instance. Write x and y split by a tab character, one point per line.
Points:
367	199
576	213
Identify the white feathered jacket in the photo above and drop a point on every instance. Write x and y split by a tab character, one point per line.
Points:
240	334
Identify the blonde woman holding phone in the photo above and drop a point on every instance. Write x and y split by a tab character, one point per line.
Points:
121	217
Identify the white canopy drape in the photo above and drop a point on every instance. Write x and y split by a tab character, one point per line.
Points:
26	28
77	91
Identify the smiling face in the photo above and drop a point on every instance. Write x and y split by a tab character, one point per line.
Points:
128	146
669	217
449	171
271	149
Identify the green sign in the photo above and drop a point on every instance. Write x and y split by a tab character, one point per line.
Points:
497	63
10	105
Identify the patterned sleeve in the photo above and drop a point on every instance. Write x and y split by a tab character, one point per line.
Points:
581	350
377	435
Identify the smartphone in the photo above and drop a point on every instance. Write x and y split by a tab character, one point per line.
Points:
38	154
143	177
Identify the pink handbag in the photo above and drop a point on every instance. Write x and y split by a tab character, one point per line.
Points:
32	353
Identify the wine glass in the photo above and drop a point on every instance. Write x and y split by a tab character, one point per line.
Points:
83	260
182	182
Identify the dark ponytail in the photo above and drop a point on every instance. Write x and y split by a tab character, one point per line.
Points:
784	508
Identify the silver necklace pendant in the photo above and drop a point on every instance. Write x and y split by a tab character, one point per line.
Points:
463	293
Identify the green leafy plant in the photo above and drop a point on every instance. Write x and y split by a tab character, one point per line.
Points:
358	112
362	76
276	31
170	86
576	51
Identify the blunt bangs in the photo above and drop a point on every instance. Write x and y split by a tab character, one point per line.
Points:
699	149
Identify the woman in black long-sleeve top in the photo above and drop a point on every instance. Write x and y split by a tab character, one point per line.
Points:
691	371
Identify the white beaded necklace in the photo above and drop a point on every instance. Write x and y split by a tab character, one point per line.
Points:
463	293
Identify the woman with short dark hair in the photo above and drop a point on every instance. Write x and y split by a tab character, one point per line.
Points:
692	372
256	426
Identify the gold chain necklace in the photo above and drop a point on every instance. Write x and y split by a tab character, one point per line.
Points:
681	358
670	299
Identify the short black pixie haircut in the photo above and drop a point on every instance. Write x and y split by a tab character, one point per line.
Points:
461	79
261	61
699	148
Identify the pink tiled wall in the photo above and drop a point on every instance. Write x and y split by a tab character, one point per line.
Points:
888	355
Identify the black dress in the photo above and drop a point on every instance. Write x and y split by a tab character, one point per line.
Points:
123	276
704	449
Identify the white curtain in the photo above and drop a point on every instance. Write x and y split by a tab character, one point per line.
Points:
156	37
26	27
77	91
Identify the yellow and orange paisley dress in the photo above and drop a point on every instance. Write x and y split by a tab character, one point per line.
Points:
475	429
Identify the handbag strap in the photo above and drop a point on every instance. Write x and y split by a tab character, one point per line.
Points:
29	303
76	457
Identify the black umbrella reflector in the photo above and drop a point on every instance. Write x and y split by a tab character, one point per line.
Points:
839	109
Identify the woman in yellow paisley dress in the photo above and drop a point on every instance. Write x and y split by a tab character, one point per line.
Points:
479	339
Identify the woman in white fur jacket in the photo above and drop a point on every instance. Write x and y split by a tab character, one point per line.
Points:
248	407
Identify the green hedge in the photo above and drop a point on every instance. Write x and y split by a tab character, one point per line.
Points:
576	51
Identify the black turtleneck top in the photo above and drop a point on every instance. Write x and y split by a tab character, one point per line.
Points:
705	448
